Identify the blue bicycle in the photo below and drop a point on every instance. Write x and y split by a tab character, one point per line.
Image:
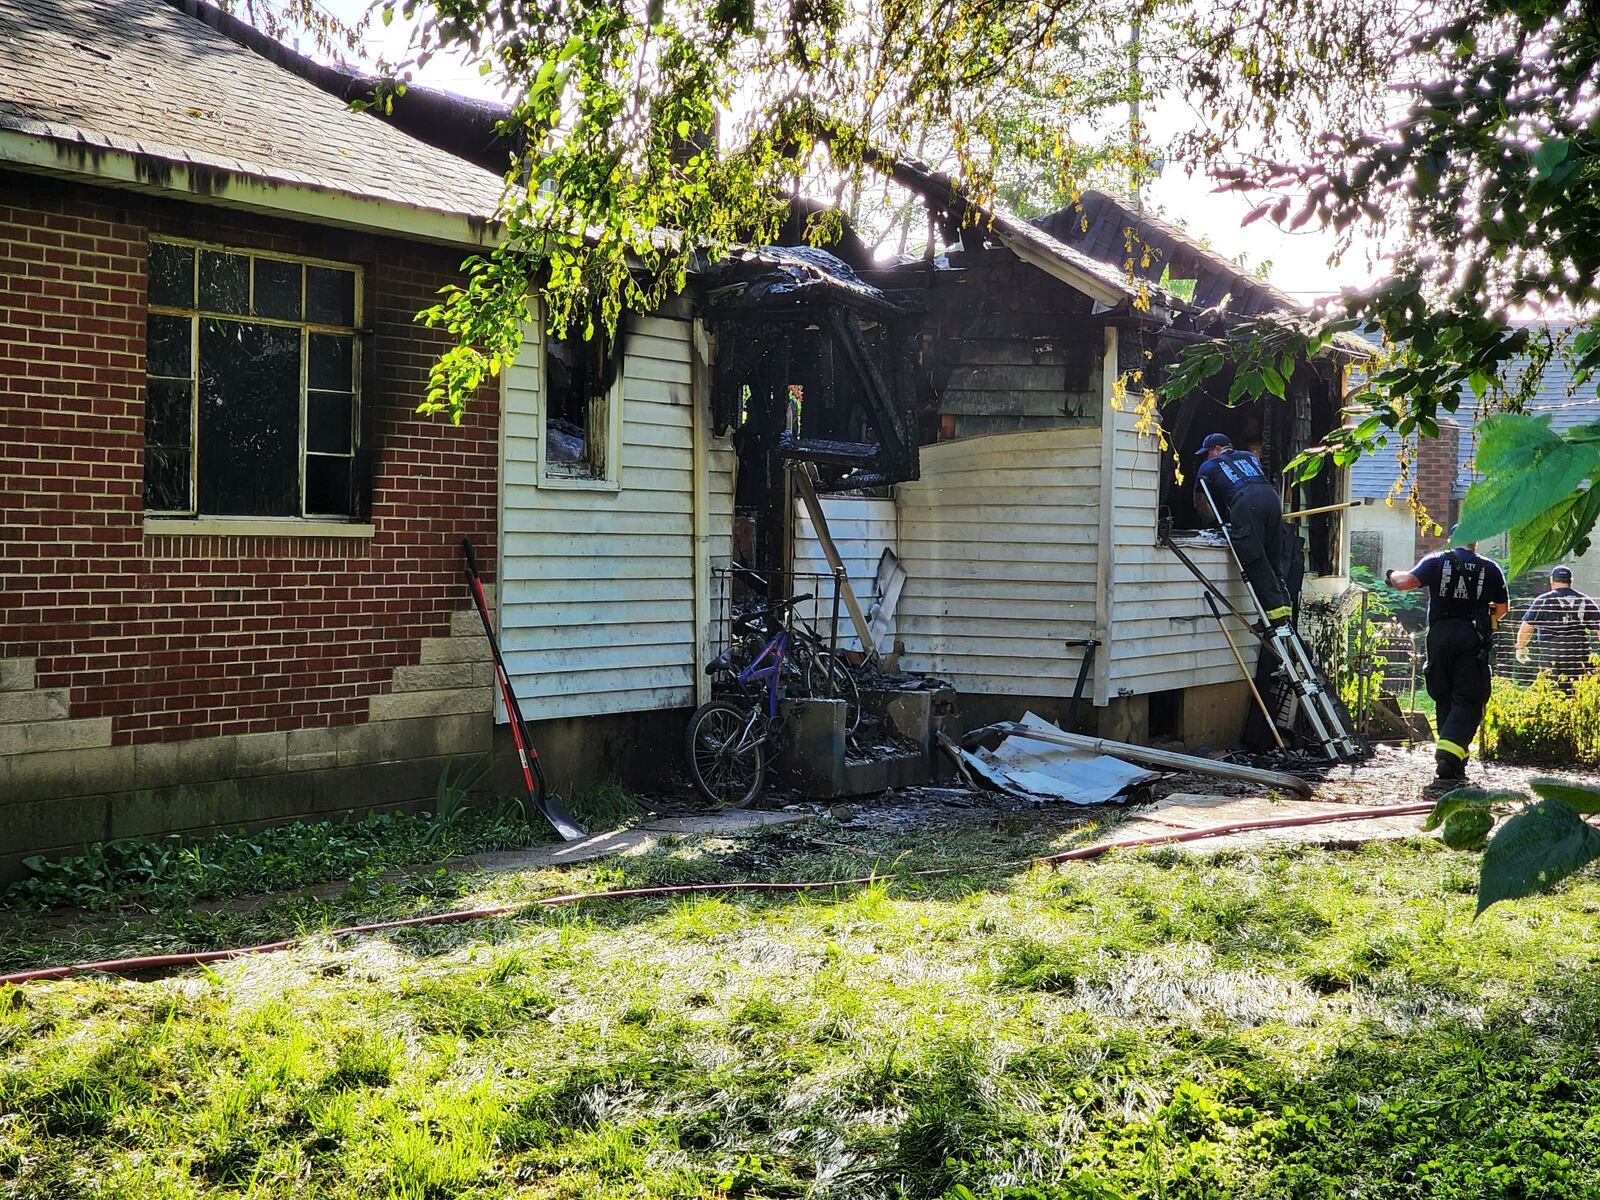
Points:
729	740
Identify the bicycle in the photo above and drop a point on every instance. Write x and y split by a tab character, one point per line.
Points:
814	669
726	743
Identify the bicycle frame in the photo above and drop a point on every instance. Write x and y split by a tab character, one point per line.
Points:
771	674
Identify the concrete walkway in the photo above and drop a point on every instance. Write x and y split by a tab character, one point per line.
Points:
1183	811
634	840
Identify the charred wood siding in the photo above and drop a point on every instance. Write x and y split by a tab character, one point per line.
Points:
1005	347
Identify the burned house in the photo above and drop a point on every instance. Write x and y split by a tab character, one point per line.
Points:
1029	519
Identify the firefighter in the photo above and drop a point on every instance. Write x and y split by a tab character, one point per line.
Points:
1466	599
1565	621
1254	514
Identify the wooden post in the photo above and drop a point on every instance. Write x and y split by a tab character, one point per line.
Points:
700	450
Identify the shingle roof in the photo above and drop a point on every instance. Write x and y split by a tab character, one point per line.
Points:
1095	226
141	77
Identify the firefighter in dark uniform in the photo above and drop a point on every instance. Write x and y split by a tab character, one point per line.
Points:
1254	514
1565	622
1466	598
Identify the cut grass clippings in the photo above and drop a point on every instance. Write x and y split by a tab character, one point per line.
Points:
1274	1025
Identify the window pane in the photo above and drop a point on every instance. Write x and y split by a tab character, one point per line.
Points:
580	374
249	451
166	480
166	413
331	358
330	296
327	486
277	289
167	346
224	282
328	421
171	275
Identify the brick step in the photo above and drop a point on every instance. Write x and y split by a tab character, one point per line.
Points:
16	674
17	707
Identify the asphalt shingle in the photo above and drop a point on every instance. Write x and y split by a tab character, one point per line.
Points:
141	77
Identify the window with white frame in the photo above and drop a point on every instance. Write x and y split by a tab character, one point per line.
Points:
582	390
252	384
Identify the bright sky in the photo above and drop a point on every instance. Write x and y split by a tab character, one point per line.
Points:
1298	261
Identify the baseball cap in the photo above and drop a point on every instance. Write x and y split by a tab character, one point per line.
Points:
1561	574
1213	439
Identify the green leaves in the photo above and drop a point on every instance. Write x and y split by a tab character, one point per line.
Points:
1530	471
1467	816
1576	796
1535	850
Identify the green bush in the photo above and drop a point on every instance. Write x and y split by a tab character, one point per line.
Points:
1543	724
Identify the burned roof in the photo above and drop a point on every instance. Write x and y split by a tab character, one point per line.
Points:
142	78
1104	228
1029	242
777	276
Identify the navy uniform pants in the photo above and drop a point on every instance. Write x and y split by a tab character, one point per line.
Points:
1255	522
1457	675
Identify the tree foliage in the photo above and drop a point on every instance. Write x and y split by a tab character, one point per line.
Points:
656	131
1478	163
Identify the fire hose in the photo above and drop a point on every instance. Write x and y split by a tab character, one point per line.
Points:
152	962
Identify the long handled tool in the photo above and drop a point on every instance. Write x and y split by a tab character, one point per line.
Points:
532	772
1266	712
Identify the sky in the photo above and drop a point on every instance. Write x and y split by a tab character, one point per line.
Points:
1297	261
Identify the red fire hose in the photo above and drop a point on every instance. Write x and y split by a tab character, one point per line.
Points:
193	958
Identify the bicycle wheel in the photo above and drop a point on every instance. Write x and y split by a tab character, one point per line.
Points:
727	753
830	679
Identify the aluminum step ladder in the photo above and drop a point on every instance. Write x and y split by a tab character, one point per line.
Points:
1305	681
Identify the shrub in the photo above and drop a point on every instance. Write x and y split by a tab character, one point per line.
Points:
1543	724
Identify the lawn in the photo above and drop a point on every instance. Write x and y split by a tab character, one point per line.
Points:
1297	1024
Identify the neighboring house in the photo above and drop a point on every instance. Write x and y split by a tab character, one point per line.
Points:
233	577
1385	534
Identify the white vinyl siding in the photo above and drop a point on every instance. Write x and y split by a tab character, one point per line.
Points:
998	538
1162	634
597	592
862	528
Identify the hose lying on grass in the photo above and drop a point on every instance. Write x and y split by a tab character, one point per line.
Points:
154	962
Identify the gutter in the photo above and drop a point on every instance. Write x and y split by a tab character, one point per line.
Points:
105	162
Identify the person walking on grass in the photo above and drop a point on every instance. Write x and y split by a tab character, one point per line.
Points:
1466	599
1239	483
1564	622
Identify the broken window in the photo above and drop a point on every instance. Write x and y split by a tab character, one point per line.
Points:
251	385
581	375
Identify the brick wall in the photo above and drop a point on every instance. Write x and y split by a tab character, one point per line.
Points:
1436	476
180	637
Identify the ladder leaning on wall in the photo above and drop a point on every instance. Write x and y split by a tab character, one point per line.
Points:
1307	689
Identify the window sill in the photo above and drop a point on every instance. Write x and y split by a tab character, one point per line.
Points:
578	483
252	527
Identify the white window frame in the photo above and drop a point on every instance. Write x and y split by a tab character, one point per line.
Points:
611	481
307	328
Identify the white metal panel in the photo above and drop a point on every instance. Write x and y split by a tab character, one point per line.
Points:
862	528
597	587
998	538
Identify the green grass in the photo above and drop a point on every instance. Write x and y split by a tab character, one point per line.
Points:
171	871
1286	1025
